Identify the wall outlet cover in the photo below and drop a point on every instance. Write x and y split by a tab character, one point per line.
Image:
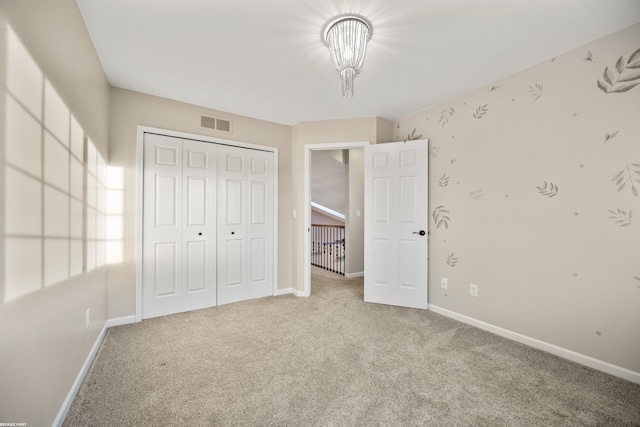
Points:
473	290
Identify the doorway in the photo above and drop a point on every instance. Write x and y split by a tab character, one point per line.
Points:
358	236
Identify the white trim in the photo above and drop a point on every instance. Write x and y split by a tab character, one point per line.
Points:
306	259
66	405
119	321
353	275
582	359
276	248
141	130
288	291
139	219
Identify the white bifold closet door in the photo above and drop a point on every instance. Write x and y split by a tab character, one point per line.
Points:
245	224
179	248
208	228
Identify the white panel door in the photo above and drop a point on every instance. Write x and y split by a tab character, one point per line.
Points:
245	224
179	232
396	220
162	230
199	224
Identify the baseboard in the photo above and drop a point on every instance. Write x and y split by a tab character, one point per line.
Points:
78	382
119	321
290	291
353	275
582	359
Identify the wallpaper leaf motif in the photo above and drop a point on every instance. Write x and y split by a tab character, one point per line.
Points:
536	91
548	190
475	194
481	111
634	60
452	260
620	84
628	176
494	87
621	217
445	115
441	217
443	181
589	56
433	150
412	136
609	136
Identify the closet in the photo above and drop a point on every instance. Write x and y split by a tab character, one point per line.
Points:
208	224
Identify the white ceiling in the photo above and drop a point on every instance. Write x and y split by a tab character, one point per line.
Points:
265	58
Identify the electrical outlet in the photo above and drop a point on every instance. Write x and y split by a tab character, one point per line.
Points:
87	318
473	290
443	283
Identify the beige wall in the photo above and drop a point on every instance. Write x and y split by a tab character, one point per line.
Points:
354	241
43	339
532	184
384	130
130	109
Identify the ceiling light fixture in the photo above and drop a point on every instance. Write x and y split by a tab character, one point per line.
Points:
347	37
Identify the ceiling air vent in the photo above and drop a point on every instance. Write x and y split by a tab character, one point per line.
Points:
215	123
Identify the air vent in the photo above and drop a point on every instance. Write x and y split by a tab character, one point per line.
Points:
215	123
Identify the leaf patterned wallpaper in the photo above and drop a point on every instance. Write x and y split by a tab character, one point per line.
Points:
533	195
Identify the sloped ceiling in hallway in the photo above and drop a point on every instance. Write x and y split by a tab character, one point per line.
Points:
265	59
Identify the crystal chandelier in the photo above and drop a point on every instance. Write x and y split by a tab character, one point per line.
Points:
347	37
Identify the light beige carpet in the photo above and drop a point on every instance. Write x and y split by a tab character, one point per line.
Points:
333	360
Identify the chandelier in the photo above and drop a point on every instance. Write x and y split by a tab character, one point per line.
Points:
347	37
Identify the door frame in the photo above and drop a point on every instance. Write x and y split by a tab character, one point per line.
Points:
141	130
308	148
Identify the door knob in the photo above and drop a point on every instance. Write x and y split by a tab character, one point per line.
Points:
421	232
199	234
233	232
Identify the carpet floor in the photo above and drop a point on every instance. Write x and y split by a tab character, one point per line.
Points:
334	360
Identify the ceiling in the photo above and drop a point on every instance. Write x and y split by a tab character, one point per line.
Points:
265	58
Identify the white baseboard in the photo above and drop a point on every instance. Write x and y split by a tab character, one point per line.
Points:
352	275
290	291
119	321
582	359
78	382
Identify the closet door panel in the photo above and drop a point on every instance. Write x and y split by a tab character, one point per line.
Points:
245	210
231	225
199	229
162	231
260	223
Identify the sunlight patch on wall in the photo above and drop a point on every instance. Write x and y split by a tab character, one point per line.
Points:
115	214
55	184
